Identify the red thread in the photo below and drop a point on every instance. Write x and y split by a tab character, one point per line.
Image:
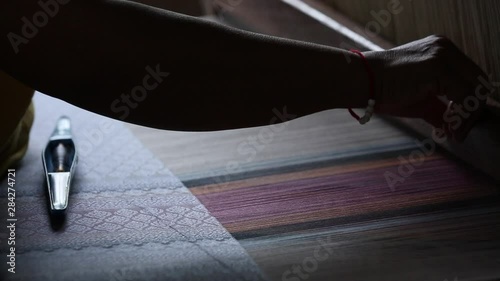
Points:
372	81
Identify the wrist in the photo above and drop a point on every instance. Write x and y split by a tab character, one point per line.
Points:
375	60
360	82
370	107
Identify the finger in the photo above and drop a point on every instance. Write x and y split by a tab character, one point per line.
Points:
467	107
432	110
469	111
435	112
463	131
467	74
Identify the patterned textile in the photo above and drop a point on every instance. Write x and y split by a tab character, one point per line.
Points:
361	210
129	218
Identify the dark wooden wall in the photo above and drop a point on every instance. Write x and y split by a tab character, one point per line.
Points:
474	25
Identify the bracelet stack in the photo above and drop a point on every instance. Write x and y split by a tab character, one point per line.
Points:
370	109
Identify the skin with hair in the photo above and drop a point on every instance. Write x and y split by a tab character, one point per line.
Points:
91	52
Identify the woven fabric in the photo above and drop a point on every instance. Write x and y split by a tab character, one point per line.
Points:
129	218
373	208
320	182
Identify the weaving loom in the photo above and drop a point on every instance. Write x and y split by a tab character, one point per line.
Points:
321	182
313	186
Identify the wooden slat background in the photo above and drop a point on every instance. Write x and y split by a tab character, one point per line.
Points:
473	25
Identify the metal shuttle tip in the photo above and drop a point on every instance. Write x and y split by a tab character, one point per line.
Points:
59	161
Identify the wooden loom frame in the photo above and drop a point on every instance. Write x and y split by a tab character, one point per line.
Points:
318	23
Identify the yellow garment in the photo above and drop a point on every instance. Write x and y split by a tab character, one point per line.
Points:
16	117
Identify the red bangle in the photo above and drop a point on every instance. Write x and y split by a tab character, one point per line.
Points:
371	102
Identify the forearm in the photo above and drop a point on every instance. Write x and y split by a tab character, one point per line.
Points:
92	52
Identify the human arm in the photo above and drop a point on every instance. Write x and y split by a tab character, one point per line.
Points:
92	52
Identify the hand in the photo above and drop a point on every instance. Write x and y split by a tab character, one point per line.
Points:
430	79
